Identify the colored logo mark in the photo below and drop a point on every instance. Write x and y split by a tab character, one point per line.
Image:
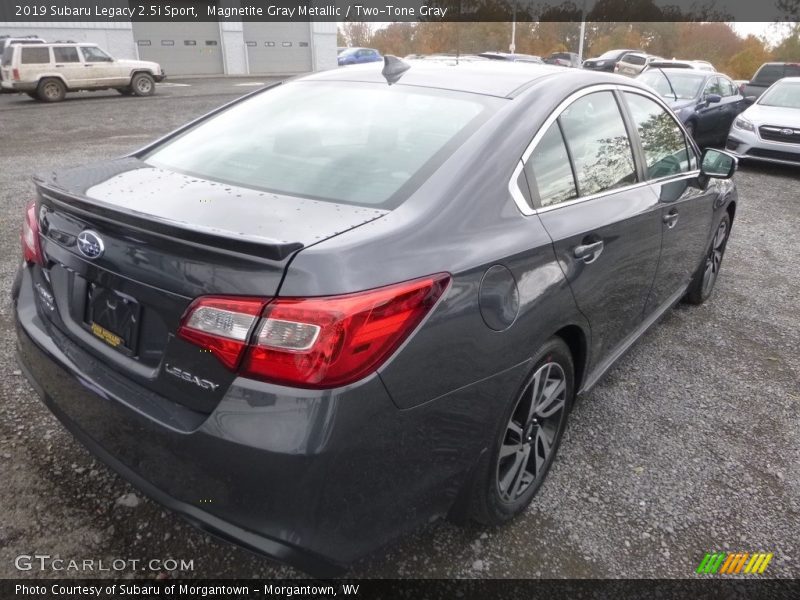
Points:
734	563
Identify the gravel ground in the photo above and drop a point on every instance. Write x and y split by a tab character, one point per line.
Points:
690	444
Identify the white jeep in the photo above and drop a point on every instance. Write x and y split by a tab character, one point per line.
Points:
48	71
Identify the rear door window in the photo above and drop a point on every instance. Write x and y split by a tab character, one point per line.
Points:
35	56
66	54
548	170
598	144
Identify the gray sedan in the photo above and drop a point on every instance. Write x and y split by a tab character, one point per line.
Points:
337	308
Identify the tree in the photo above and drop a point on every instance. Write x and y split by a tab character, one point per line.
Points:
789	49
357	33
744	63
341	38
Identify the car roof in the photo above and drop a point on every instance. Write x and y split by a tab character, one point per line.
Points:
504	79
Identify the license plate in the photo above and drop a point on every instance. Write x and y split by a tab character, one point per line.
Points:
113	317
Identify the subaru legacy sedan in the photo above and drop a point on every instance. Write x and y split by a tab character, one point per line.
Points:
336	309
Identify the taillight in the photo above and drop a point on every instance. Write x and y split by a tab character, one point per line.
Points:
221	325
319	342
15	74
29	237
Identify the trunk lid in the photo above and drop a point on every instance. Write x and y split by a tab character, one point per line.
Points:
161	239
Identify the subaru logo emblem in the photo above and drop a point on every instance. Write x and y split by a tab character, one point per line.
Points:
90	244
787	131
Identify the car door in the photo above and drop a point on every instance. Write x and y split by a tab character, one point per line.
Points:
67	62
709	114
671	167
99	65
732	104
604	223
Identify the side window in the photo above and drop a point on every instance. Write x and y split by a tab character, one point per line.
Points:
35	56
728	89
792	70
66	54
548	171
665	149
92	54
713	87
598	143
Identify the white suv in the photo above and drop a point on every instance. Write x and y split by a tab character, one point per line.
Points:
48	71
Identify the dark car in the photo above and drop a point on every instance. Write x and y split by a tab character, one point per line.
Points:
356	56
606	61
310	353
705	101
767	74
564	59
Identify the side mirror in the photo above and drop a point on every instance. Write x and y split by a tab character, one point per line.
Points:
717	164
750	99
713	98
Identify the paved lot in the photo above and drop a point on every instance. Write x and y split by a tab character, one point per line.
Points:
691	444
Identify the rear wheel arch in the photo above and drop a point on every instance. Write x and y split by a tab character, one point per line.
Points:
576	340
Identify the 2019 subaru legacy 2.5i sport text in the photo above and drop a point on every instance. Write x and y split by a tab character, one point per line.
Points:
338	308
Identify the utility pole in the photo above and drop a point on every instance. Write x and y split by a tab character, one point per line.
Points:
513	46
583	31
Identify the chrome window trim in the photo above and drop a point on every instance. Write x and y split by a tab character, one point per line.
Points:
519	198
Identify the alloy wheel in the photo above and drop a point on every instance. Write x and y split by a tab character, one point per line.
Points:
143	85
714	258
532	432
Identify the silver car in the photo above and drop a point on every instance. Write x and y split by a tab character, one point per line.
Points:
770	129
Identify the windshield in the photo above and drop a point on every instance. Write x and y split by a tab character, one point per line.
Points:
608	55
685	83
785	94
367	144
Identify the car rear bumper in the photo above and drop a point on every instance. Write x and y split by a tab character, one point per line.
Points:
748	145
315	479
18	86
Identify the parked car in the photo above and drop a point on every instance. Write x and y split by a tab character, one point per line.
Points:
767	74
564	59
633	63
698	65
48	71
769	130
606	61
706	102
356	56
340	49
8	40
331	351
515	57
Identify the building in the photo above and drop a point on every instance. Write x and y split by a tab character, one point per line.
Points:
203	47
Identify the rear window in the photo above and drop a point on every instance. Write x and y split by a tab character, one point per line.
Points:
33	56
768	74
366	144
634	59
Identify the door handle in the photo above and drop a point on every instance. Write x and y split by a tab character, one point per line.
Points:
670	219
588	252
59	66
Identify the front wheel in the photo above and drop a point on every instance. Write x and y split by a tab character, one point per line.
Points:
706	276
143	84
510	474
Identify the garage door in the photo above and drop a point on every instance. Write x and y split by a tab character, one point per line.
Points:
181	48
274	48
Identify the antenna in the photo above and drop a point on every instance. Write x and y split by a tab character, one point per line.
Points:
393	68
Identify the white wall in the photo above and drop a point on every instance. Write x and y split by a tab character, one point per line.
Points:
116	38
323	45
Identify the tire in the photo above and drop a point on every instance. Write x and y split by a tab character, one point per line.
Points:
142	84
509	475
126	91
51	90
706	275
33	95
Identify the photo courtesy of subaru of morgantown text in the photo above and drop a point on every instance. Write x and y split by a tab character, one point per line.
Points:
358	300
